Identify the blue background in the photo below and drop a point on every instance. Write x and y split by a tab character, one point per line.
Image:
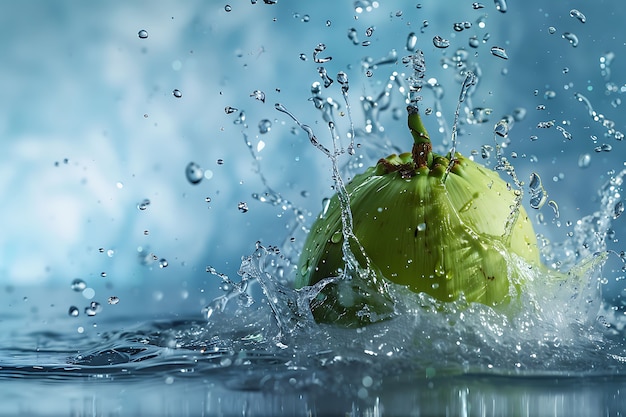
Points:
90	128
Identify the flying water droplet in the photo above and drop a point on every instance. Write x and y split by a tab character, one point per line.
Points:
564	132
143	205
324	75
584	160
241	118
551	30
485	151
163	263
113	300
143	34
440	42
411	42
369	31
571	38
555	208
319	49
194	173
479	115
265	126
501	128
474	42
477	5
499	52
353	35
177	93
538	195
578	15
73	311
78	285
519	114
258	95
228	8
242	207
229	110
93	309
500	5
618	209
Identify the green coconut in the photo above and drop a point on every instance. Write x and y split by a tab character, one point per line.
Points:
438	224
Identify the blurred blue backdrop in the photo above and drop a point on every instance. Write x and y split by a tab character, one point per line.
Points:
95	142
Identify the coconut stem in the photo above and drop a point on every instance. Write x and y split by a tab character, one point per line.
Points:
422	151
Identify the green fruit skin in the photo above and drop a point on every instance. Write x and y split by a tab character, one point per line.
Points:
437	232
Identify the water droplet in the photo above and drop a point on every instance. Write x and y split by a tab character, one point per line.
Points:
258	95
220	161
605	147
177	93
143	205
305	18
440	42
229	110
328	23
578	15
194	173
571	38
103	274
336	237
584	160
501	128
78	285
113	300
499	52
500	5
369	31
545	125
241	118
73	311
228	8
319	49
163	263
324	75
421	227
474	42
265	126
242	207
411	42
564	132
303	57
555	208
479	115
353	35
485	151
618	209
93	309
461	26
143	34
519	114
549	94
551	30
477	6
538	195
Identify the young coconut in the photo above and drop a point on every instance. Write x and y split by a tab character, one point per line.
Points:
442	225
